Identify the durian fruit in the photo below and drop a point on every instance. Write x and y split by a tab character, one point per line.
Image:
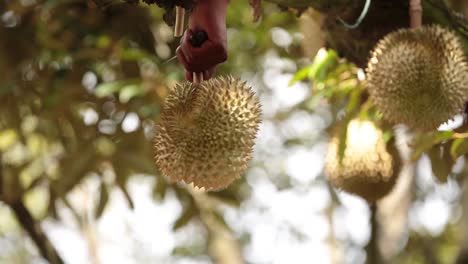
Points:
367	169
418	77
207	132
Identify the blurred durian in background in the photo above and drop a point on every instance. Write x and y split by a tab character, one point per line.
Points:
419	77
368	167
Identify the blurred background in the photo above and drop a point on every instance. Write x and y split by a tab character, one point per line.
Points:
81	88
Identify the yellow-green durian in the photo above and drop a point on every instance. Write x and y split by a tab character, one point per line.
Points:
367	169
207	132
418	77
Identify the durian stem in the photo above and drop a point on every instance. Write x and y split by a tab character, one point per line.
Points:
179	21
415	11
197	77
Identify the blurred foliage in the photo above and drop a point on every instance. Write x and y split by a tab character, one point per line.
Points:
82	86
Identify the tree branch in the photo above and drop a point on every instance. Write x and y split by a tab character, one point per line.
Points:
383	17
372	248
463	254
35	231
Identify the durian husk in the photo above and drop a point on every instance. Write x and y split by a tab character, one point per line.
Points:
418	77
368	168
207	132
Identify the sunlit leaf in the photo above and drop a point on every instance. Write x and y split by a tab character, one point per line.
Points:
133	54
130	91
342	136
425	141
354	100
107	89
8	137
459	148
36	201
324	60
301	75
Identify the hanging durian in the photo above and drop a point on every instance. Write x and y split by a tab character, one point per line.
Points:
419	77
368	168
207	132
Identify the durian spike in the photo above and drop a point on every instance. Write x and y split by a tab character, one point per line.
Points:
179	21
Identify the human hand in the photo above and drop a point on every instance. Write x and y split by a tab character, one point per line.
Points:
202	54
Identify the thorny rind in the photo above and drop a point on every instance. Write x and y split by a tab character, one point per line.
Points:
418	77
207	132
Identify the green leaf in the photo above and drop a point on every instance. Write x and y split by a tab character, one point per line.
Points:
300	75
322	64
130	91
133	54
354	100
459	148
424	142
160	189
74	168
227	196
125	192
52	207
319	69
387	135
106	89
103	199
441	162
187	215
135	163
342	141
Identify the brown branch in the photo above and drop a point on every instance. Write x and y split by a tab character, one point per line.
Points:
463	253
35	231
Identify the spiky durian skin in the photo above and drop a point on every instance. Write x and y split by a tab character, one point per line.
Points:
207	132
418	77
367	169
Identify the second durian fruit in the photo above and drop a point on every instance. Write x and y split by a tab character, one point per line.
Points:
207	132
419	77
368	167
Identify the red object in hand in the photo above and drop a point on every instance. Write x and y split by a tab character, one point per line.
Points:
207	16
